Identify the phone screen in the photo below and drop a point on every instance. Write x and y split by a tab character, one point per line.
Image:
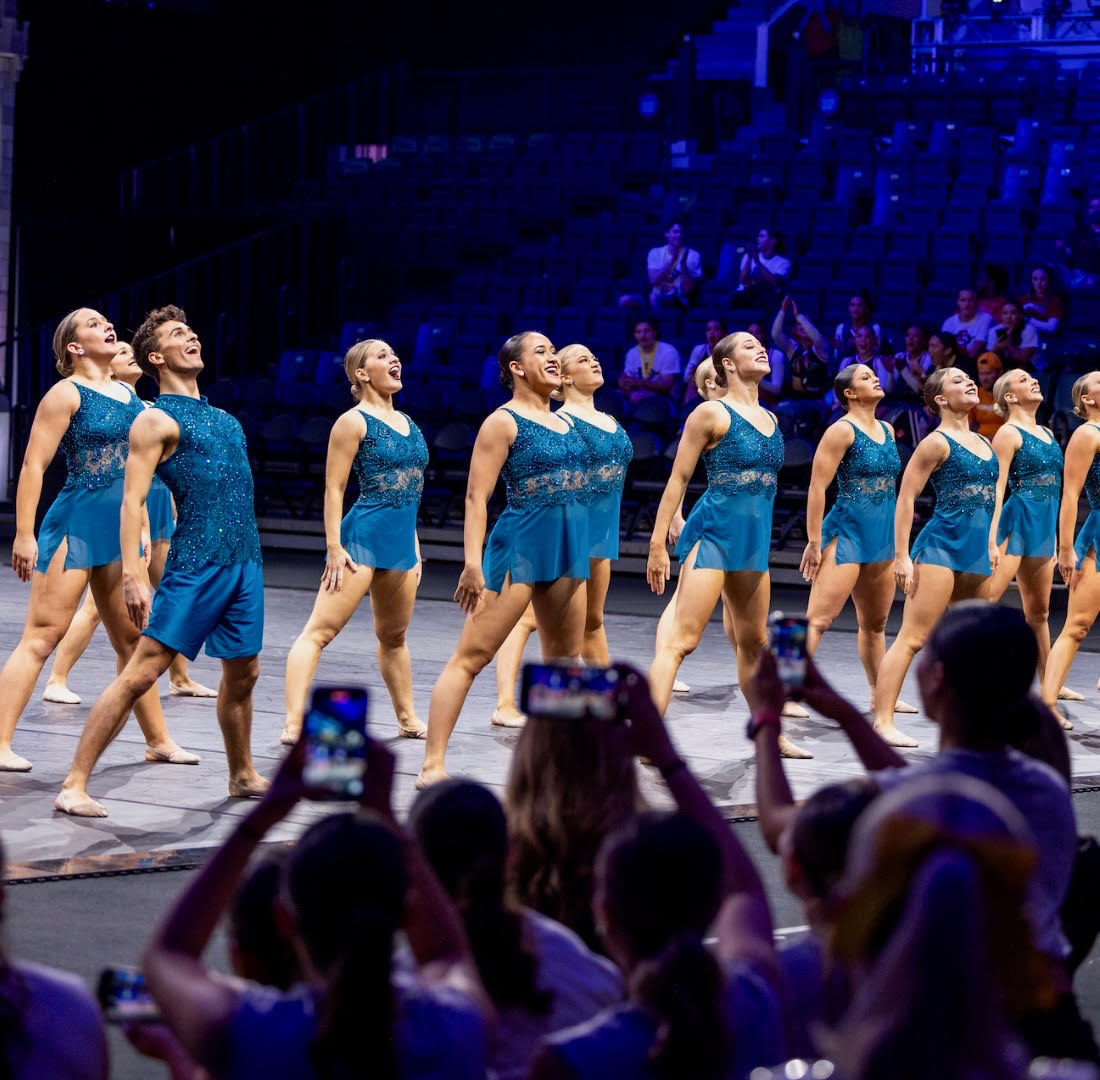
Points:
336	740
124	997
787	640
571	693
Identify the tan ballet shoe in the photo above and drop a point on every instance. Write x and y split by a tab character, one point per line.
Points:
1066	694
249	787
679	687
794	710
1062	721
78	804
60	694
788	749
10	761
412	729
174	756
190	689
905	707
425	779
890	735
505	719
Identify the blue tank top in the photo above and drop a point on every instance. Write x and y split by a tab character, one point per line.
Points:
1036	469
868	472
610	453
211	481
389	465
965	480
745	461
97	439
544	467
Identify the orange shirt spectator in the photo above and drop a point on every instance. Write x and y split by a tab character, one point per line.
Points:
984	419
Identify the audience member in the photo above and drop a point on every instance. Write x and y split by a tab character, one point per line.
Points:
985	419
1014	339
860	313
992	290
943	350
50	1025
969	325
1041	304
541	976
763	273
714	332
674	270
1081	249
773	384
663	881
914	362
349	884
806	351
889	369
651	366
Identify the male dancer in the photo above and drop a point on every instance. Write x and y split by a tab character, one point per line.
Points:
212	590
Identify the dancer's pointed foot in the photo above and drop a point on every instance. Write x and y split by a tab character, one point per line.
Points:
1066	694
1065	724
413	728
794	710
507	716
77	803
60	694
904	707
788	749
290	734
12	762
890	735
679	687
250	785
171	754
190	689
426	777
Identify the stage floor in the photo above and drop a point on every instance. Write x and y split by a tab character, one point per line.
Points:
165	814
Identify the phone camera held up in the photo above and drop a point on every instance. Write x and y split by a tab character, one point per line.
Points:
787	641
336	741
124	998
568	692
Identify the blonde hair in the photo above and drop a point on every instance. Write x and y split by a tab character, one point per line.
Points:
353	361
705	370
63	337
1080	389
565	358
1001	388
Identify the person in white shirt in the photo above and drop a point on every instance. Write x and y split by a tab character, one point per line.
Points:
969	325
651	367
763	274
674	270
1014	339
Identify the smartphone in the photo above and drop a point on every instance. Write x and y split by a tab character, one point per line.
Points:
336	740
569	692
124	997
787	640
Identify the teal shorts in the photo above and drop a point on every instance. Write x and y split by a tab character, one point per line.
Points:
222	606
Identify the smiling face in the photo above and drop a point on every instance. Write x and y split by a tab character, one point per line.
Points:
179	345
124	368
580	369
537	366
866	342
958	393
1023	389
915	342
380	368
858	311
93	337
742	355
674	234
967	304
645	335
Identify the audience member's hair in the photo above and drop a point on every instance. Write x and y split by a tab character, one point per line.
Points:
63	337
1002	387
1080	389
260	950
569	785
511	352
660	888
461	828
145	337
346	880
354	359
821	829
650	322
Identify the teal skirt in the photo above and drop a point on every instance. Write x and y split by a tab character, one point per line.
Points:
1030	526
1088	539
603	525
380	535
538	545
734	532
162	522
864	531
89	520
957	539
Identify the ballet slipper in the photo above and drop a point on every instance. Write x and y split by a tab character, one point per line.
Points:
252	786
426	777
892	737
794	710
78	804
12	762
679	687
175	755
1066	694
60	694
508	717
290	735
1062	721
412	729
788	749
904	707
190	689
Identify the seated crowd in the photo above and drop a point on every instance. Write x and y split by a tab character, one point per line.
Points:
571	932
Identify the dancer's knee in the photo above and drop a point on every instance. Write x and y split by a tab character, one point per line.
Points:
1077	629
820	623
318	636
240	676
41	642
873	624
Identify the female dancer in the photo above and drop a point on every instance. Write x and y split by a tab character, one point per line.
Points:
88	417
538	549
610	451
375	546
851	551
726	540
954	556
1031	469
162	524
1078	563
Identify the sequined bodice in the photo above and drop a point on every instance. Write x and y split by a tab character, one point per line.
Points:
744	461
211	481
389	465
966	481
868	472
97	439
610	452
544	467
1036	469
1092	483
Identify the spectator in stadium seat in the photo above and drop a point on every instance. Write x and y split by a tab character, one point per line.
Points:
985	419
715	331
774	383
860	313
806	351
1041	304
1014	340
943	350
763	273
888	368
1081	249
969	325
652	367
674	270
915	362
992	289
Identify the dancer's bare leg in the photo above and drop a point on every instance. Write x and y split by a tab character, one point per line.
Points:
873	596
595	651
509	661
69	650
1035	579
664	628
331	612
55	596
392	597
235	719
1084	603
180	683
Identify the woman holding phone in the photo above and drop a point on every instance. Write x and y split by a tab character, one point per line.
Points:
954	556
